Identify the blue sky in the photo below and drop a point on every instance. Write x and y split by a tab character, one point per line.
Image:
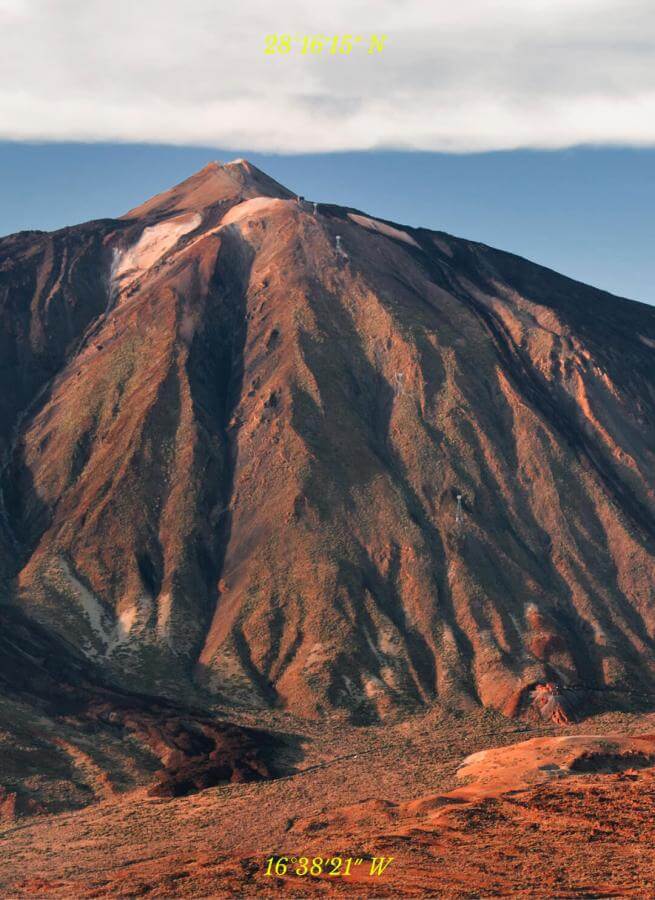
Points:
586	212
527	125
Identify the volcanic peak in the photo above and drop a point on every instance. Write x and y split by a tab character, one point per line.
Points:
216	183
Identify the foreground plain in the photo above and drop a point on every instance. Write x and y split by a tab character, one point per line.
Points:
363	792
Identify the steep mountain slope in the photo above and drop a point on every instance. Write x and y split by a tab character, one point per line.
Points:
68	737
234	445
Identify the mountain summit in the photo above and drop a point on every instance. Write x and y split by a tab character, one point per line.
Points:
216	183
266	454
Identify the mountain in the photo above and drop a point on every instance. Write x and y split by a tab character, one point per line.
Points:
261	455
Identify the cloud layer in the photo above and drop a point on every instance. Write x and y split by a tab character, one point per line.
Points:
456	77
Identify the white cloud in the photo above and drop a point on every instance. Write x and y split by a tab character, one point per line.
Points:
473	75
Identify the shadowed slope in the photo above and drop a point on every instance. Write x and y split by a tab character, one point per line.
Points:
69	737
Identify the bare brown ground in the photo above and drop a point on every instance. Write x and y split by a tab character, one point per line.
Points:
588	835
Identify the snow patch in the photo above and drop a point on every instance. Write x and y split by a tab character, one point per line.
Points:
110	634
164	607
131	617
91	607
250	207
383	228
187	328
154	243
125	623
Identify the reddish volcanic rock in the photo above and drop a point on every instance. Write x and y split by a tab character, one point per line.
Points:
234	451
550	703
